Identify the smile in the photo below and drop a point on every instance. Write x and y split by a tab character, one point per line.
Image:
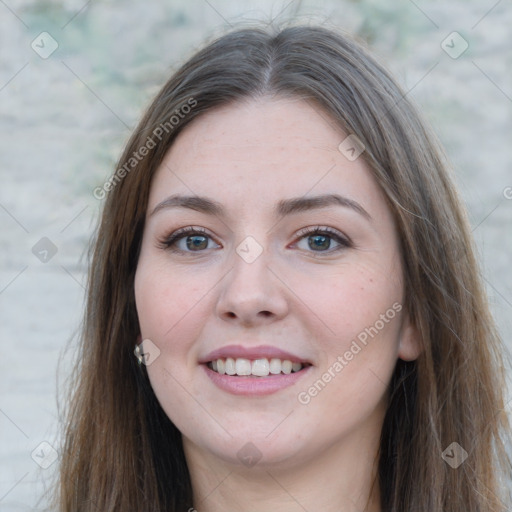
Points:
257	368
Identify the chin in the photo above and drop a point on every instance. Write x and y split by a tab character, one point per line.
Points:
256	450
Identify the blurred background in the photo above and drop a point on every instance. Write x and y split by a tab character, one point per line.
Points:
75	77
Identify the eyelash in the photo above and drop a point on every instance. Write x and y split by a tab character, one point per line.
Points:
169	242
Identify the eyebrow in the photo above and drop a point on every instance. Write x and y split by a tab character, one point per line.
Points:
284	207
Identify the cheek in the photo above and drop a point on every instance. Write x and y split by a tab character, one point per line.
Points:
358	346
165	298
172	306
358	335
349	300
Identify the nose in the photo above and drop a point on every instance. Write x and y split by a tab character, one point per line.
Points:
252	293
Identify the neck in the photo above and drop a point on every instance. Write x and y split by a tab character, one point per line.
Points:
343	478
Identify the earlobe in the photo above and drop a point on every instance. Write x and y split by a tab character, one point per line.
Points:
410	346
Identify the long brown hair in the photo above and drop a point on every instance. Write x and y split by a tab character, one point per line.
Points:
122	453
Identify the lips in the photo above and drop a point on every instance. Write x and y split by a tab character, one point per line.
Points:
261	370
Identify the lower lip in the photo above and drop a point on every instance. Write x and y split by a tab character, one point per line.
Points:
254	386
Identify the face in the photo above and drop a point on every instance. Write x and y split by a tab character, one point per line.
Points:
284	268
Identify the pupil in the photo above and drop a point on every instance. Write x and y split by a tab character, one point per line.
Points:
197	240
320	241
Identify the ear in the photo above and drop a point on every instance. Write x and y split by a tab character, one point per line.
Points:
410	346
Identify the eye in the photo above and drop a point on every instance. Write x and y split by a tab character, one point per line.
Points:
319	239
189	239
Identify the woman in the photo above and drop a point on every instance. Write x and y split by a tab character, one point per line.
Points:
283	247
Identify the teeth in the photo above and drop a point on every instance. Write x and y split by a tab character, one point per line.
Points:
260	367
243	367
286	367
230	366
257	367
275	366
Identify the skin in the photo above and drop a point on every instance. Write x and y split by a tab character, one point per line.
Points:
313	303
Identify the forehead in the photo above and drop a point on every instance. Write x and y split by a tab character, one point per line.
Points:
257	152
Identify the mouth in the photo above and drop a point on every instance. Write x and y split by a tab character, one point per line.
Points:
259	368
254	370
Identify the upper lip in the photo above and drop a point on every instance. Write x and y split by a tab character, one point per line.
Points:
259	352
